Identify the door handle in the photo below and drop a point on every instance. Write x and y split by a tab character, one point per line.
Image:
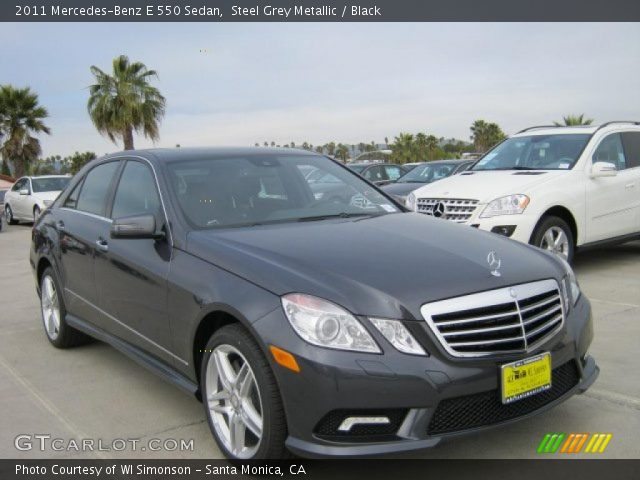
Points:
102	245
60	225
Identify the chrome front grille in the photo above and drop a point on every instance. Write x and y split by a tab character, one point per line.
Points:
507	320
456	209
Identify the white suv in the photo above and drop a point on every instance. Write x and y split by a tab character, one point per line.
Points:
29	196
559	188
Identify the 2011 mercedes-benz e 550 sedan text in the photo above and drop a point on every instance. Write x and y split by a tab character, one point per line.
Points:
305	325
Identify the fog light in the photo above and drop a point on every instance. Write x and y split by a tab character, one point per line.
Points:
351	422
504	230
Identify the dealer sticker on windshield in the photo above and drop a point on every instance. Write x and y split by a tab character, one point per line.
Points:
526	377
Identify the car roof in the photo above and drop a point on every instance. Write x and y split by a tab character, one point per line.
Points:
207	153
35	177
585	129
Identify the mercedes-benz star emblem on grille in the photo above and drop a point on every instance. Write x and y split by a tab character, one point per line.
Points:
494	263
439	209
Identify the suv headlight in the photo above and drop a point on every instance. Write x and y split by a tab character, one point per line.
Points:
325	324
410	201
509	205
570	286
398	335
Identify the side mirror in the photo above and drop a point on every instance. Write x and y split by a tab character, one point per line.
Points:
135	227
24	191
603	169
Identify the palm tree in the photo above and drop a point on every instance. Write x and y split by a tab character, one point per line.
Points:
403	148
125	101
342	152
21	117
320	149
574	120
485	135
331	149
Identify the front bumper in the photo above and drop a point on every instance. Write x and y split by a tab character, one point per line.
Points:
333	381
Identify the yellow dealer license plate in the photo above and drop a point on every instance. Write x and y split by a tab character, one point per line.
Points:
526	377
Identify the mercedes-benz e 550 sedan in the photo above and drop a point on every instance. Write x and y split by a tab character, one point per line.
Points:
307	325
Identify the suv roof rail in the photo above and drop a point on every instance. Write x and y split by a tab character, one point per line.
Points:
536	127
606	124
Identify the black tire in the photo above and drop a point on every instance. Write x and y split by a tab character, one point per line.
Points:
36	213
274	430
67	336
552	222
8	214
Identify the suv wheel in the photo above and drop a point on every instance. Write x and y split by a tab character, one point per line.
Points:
53	312
240	397
8	214
553	234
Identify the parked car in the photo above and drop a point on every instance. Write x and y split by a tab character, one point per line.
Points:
378	173
327	187
422	174
2	195
29	196
559	188
323	328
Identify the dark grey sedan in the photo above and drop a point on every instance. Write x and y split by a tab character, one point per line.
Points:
307	324
423	174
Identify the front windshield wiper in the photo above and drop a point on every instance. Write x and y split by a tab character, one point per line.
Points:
336	215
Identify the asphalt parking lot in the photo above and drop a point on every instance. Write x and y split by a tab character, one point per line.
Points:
95	392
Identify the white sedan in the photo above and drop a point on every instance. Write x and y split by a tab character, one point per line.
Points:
29	196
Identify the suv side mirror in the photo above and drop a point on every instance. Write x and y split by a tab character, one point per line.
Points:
24	191
603	169
135	227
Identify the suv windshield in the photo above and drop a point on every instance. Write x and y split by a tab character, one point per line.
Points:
263	189
427	173
50	184
535	152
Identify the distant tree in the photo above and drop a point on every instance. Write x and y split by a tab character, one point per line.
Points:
293	144
485	135
5	169
21	117
266	144
404	148
79	160
125	101
320	149
342	152
574	120
331	149
257	144
305	146
273	144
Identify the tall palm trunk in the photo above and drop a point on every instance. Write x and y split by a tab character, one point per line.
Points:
127	137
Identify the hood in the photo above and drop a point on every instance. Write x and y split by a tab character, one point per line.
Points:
46	195
385	266
485	186
401	188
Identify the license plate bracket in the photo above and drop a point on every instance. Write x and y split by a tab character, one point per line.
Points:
526	377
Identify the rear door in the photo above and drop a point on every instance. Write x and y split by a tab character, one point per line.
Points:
131	274
612	202
79	222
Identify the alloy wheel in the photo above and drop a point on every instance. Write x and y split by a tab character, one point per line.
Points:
234	402
8	214
555	240
50	308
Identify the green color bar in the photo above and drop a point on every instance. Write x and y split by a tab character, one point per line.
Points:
543	442
558	443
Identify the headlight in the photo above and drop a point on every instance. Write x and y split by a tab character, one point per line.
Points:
325	324
47	203
509	205
570	286
398	335
410	202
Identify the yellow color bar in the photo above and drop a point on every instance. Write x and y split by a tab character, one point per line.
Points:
607	439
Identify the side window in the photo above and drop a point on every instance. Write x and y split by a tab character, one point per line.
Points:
631	142
610	150
375	174
72	199
93	196
136	193
393	173
18	185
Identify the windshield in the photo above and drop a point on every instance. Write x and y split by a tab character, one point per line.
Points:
535	152
429	172
49	184
263	189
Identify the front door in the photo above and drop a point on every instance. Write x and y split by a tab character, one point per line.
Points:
131	274
611	201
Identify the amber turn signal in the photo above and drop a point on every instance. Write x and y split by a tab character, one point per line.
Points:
284	358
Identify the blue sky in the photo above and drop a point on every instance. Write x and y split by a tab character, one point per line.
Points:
241	83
